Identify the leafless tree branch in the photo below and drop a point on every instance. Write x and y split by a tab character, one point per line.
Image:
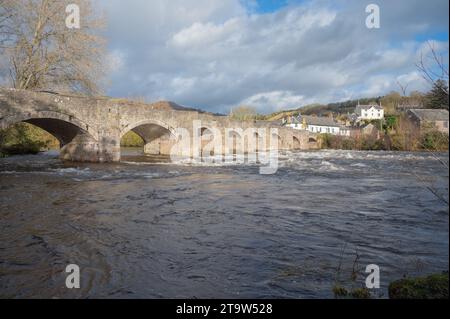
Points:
432	66
43	53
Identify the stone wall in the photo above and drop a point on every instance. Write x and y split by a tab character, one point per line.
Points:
96	124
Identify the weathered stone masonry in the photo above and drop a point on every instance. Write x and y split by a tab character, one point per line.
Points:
90	128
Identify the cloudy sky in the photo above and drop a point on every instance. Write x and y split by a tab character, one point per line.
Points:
217	54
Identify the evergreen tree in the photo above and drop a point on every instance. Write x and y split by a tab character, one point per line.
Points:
437	98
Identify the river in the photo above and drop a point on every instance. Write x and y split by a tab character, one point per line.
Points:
146	228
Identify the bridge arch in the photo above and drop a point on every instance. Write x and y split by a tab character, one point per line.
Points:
251	141
234	142
275	137
146	123
207	137
63	127
157	135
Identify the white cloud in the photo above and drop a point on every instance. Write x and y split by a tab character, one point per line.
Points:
276	100
115	61
201	34
214	54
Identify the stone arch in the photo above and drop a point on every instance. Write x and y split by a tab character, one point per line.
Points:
257	139
206	132
206	137
251	141
312	140
64	127
236	140
154	122
277	137
157	135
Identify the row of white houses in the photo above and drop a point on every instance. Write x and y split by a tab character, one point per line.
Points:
328	125
316	124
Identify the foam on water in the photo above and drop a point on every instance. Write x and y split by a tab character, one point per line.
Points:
177	230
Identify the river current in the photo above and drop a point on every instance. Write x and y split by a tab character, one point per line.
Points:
146	228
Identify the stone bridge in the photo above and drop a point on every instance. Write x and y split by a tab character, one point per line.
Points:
89	129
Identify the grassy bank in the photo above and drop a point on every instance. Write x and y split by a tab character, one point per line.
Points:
24	138
431	287
131	139
434	286
429	141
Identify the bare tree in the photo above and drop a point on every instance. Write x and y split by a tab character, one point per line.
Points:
432	66
5	15
244	113
43	53
403	87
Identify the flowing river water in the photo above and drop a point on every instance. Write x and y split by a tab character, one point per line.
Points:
146	228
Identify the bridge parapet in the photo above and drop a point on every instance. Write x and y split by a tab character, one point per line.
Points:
90	128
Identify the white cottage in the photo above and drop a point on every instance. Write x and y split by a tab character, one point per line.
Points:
369	112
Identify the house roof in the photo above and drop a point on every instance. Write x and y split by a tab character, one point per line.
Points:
369	126
430	114
320	121
359	108
268	123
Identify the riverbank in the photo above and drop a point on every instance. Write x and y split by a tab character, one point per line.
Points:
24	138
434	286
428	141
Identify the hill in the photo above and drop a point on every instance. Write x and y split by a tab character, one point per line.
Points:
338	108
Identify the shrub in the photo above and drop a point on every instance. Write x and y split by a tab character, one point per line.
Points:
348	144
131	139
361	293
327	140
23	138
27	148
434	140
432	287
340	292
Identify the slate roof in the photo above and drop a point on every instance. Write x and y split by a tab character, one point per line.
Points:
430	115
320	121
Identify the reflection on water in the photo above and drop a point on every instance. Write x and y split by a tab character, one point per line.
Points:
148	228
